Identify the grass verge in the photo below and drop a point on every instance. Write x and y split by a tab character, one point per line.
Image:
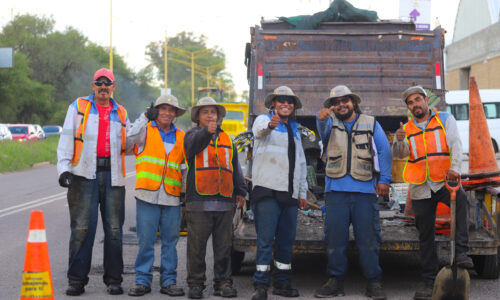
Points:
15	156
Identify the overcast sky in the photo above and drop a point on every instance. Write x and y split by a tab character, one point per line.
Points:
226	23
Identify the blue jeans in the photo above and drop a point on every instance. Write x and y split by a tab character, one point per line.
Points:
149	218
85	197
360	209
275	223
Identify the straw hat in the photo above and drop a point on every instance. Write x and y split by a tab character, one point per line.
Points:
207	101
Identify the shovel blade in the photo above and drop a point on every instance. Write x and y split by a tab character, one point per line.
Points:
447	286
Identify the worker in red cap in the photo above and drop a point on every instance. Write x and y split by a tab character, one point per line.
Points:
91	164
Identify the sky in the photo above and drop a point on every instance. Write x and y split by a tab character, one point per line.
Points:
225	23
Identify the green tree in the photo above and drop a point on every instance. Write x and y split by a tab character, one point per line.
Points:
179	75
22	99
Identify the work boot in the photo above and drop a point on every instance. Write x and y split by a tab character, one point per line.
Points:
464	261
374	290
226	291
75	289
115	289
260	293
424	292
172	290
195	292
333	287
285	290
139	290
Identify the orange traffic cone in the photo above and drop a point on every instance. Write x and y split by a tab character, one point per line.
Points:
483	168
37	279
481	154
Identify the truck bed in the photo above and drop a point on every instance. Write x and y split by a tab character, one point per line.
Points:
397	235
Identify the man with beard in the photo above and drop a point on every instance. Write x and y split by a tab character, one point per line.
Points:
353	140
91	164
431	142
279	188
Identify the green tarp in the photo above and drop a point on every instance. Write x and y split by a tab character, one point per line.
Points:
339	11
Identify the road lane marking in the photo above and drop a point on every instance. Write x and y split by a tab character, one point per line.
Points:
41	201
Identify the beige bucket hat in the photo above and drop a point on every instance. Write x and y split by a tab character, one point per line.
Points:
341	91
207	101
282	91
417	89
172	101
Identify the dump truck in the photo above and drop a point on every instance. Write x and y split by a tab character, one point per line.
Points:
377	61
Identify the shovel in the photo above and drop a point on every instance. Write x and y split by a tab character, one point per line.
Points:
452	282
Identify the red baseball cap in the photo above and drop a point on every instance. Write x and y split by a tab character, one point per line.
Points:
104	73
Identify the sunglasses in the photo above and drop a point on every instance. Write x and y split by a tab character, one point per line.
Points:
336	102
283	99
106	83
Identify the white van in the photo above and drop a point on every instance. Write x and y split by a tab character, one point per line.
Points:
458	105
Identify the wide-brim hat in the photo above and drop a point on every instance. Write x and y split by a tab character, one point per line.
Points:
282	91
207	101
413	90
172	101
341	91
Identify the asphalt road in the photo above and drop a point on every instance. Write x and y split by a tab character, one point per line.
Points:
37	189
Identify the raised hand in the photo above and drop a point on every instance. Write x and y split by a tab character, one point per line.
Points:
401	132
212	127
325	113
275	121
151	113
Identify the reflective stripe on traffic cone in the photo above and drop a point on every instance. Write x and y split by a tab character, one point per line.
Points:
37	279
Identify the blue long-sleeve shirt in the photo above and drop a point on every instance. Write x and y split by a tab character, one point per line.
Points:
347	183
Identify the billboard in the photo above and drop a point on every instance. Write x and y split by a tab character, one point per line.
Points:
419	11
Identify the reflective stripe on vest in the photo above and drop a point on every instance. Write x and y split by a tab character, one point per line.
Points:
429	152
214	168
83	108
154	166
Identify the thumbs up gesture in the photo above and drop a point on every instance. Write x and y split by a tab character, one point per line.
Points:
275	121
212	127
325	113
152	112
401	132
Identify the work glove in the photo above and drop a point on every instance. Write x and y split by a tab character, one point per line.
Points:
66	179
152	113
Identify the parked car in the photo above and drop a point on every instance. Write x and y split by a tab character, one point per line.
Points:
23	132
39	131
5	133
52	130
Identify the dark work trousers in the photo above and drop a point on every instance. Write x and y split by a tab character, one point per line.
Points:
200	225
85	197
425	220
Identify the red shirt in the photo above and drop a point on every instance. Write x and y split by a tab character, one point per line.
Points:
103	145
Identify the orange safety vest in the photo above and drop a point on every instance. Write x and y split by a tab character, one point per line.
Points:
214	168
154	166
83	107
429	152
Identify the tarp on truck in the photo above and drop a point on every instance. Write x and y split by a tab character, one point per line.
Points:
339	11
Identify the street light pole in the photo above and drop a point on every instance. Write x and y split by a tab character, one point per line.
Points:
111	35
166	70
192	78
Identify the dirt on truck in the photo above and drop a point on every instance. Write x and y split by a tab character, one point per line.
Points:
377	61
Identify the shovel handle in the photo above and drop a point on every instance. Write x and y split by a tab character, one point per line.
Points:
453	189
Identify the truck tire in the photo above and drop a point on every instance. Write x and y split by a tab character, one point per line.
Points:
487	266
236	261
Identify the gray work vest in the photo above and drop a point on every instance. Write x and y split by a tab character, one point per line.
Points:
351	153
